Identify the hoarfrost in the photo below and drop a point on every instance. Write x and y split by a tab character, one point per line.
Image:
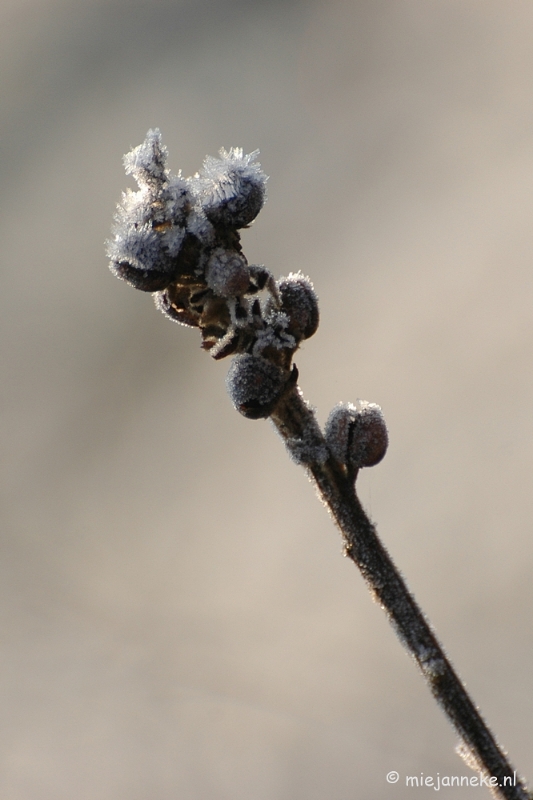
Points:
147	162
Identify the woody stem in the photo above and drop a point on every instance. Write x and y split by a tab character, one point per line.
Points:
293	419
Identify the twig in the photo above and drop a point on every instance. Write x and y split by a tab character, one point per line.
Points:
293	418
179	239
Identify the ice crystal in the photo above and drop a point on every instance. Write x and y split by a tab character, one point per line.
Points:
147	162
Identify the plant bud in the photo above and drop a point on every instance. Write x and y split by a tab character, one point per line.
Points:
356	434
227	273
255	385
300	303
137	255
150	225
231	188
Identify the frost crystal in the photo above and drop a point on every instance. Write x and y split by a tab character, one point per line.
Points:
147	162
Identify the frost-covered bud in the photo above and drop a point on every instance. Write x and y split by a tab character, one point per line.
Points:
300	303
138	258
255	385
150	225
356	434
232	188
227	273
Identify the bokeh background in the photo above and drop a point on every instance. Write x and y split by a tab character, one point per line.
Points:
177	620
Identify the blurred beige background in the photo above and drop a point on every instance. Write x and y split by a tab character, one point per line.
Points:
177	620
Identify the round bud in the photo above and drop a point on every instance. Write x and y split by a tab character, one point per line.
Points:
227	273
255	385
138	258
234	205
300	303
147	280
232	188
356	434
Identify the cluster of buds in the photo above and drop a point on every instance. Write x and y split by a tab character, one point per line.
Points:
179	239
